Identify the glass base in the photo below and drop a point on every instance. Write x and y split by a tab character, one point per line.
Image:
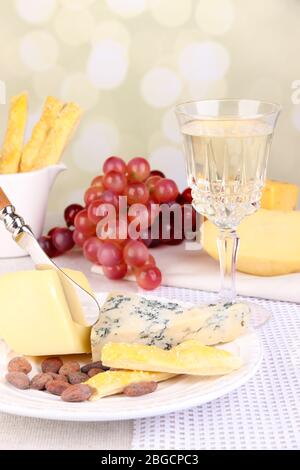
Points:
259	315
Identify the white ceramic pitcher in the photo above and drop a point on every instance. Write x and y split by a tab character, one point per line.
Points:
29	193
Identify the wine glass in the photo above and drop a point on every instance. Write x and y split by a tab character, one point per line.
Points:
227	144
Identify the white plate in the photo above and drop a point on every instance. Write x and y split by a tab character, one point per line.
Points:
175	394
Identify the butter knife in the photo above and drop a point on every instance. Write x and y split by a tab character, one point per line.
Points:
79	299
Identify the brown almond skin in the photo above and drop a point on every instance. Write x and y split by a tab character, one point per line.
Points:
51	364
19	364
40	381
77	377
18	380
93	372
57	387
93	365
138	389
68	367
58	376
77	393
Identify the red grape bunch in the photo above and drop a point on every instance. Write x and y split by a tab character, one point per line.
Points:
118	255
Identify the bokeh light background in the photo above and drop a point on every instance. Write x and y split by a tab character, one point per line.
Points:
127	62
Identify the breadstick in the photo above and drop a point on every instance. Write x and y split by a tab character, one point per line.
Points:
32	149
14	137
58	136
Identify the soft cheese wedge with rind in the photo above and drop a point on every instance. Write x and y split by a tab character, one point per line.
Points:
269	242
280	196
113	382
130	318
190	357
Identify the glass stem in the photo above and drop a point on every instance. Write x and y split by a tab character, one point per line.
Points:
228	243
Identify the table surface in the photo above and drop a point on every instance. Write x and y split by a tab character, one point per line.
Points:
278	373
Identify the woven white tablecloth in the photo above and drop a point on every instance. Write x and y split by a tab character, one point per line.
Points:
262	414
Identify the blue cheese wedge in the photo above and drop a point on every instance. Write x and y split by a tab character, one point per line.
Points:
129	318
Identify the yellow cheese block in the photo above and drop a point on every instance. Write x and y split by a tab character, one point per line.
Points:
277	195
34	316
269	242
189	357
70	293
113	382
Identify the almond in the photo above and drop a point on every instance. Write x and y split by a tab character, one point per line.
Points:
93	372
51	364
139	388
56	387
39	381
19	364
77	393
68	367
93	365
18	380
77	377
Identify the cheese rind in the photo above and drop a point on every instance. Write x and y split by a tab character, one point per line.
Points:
165	323
189	357
34	316
113	382
277	195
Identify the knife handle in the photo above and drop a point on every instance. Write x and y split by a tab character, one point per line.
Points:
12	221
4	201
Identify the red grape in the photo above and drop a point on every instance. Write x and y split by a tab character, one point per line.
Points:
191	221
83	224
62	239
145	213
140	217
187	196
109	197
79	237
120	242
138	169
148	240
51	231
110	254
149	278
92	211
180	199
157	173
111	229
115	272
97	210
98	181
115	181
47	245
138	220
114	164
135	253
165	190
150	262
91	248
153	210
92	193
70	213
174	238
137	193
151	182
171	223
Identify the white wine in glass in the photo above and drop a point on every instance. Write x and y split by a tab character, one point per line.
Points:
227	144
